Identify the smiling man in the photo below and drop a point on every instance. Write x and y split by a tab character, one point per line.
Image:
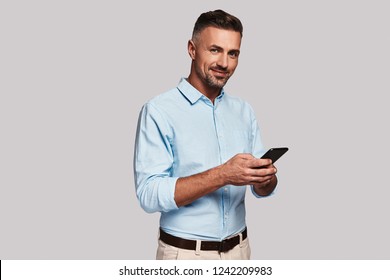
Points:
196	150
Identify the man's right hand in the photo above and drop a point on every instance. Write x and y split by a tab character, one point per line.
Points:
245	169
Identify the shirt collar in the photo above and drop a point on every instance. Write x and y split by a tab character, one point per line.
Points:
191	93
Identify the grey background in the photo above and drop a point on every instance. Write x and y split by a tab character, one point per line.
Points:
74	75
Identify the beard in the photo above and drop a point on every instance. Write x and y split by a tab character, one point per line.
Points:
212	81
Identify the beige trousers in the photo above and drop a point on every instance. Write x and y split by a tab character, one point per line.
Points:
167	252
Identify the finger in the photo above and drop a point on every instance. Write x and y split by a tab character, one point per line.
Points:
260	163
262	181
262	172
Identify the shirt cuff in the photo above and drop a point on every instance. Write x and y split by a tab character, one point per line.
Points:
261	196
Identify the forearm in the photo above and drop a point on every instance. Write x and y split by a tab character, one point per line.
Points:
195	186
242	169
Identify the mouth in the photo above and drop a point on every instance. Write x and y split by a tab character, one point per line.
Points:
218	73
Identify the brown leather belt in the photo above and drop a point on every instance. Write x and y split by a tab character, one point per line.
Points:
221	246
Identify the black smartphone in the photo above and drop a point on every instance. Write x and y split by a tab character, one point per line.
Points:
275	153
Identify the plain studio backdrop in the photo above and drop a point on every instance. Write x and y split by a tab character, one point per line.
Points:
74	75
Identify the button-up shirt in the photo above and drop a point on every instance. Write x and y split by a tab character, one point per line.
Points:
181	133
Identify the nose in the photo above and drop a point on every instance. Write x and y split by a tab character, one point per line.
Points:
223	61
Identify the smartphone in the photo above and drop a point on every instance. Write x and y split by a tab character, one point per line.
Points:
275	153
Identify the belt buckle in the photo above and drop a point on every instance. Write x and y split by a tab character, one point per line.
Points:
224	246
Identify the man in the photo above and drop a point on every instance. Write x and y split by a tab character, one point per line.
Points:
197	148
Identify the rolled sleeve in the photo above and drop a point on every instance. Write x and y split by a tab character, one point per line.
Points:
153	160
157	194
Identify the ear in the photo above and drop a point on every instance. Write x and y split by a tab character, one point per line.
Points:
191	49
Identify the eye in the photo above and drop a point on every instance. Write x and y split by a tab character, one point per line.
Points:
214	50
234	54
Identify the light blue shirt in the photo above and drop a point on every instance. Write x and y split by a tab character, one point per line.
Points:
181	133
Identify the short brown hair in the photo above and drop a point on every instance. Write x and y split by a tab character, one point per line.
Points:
219	19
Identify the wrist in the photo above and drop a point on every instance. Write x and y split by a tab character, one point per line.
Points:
266	188
220	175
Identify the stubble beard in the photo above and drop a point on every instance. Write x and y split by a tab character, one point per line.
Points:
212	81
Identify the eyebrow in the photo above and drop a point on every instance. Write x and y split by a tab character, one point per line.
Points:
216	47
220	48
